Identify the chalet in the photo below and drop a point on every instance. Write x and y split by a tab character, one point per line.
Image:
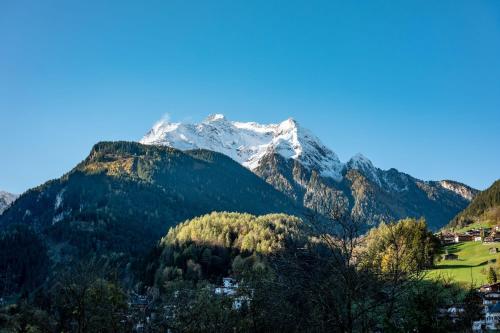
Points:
492	317
474	232
463	238
455	312
490	287
447	238
491	298
450	256
479	326
478	238
493	250
230	288
488	239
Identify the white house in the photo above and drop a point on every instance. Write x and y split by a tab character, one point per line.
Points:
455	312
491	298
492	317
478	325
230	288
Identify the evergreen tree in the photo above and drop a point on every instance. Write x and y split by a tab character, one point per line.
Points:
492	276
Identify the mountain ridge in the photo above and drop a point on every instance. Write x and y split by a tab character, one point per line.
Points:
297	163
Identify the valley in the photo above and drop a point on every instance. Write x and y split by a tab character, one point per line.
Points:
213	216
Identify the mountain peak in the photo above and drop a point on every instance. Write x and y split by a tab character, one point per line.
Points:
215	117
360	161
248	142
290	123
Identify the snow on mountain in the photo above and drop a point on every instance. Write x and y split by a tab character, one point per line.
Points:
248	142
363	164
5	200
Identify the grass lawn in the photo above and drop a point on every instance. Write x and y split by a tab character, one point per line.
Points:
473	257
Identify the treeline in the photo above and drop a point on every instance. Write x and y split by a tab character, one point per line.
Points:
287	275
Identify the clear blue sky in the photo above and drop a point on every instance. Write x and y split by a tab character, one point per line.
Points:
411	85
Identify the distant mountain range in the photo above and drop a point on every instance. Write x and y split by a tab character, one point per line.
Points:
5	200
295	162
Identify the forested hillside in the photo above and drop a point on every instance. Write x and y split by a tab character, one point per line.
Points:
484	208
287	278
124	196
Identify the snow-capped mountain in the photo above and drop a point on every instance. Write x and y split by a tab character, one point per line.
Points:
5	200
248	142
297	163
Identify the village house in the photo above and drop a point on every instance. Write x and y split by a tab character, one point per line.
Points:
488	240
479	326
230	288
474	232
455	312
491	298
490	294
490	287
493	250
492	317
447	238
463	238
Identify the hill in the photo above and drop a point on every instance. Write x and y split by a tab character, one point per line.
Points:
485	208
124	196
213	245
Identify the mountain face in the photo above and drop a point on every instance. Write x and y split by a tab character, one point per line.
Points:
124	196
484	208
5	200
248	143
298	164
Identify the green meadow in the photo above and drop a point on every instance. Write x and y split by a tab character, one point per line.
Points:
472	265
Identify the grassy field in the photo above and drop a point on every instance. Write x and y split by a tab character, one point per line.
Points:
473	261
475	225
